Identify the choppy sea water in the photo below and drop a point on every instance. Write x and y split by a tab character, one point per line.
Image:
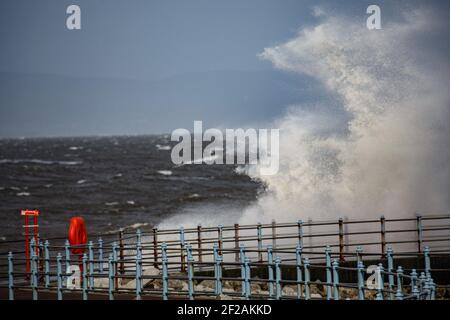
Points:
112	182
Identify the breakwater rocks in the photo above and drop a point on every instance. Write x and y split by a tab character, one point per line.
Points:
232	290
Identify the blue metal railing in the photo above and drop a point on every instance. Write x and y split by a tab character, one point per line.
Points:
420	286
131	256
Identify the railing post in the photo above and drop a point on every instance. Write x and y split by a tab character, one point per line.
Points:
380	282
218	275
390	270
415	292
215	251
183	269
243	271
360	266
91	264
413	284
67	249
426	290
248	290
433	289
199	243
114	255
215	257
399	293
138	236
426	255
165	273
100	255
259	236
34	276
383	235
217	269
31	249
190	261
111	277
307	279
422	282
236	241
10	276
335	266
46	264
298	266
328	270
121	256
274	234
155	247
419	233
341	239
41	257
270	270
59	276
278	278
189	250
85	286
139	254
359	251
32	245
300	232
138	272
219	238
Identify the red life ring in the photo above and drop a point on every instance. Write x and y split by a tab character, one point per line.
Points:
77	234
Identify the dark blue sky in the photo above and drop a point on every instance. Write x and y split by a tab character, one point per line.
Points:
140	67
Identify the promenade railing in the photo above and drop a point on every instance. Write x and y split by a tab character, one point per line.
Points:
264	261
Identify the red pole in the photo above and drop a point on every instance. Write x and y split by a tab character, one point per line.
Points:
36	238
35	214
27	245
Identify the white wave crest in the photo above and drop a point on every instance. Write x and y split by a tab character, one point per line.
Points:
164	148
165	172
38	161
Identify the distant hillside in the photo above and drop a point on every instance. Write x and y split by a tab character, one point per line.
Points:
84	106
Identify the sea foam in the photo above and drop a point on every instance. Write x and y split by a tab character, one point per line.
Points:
392	155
